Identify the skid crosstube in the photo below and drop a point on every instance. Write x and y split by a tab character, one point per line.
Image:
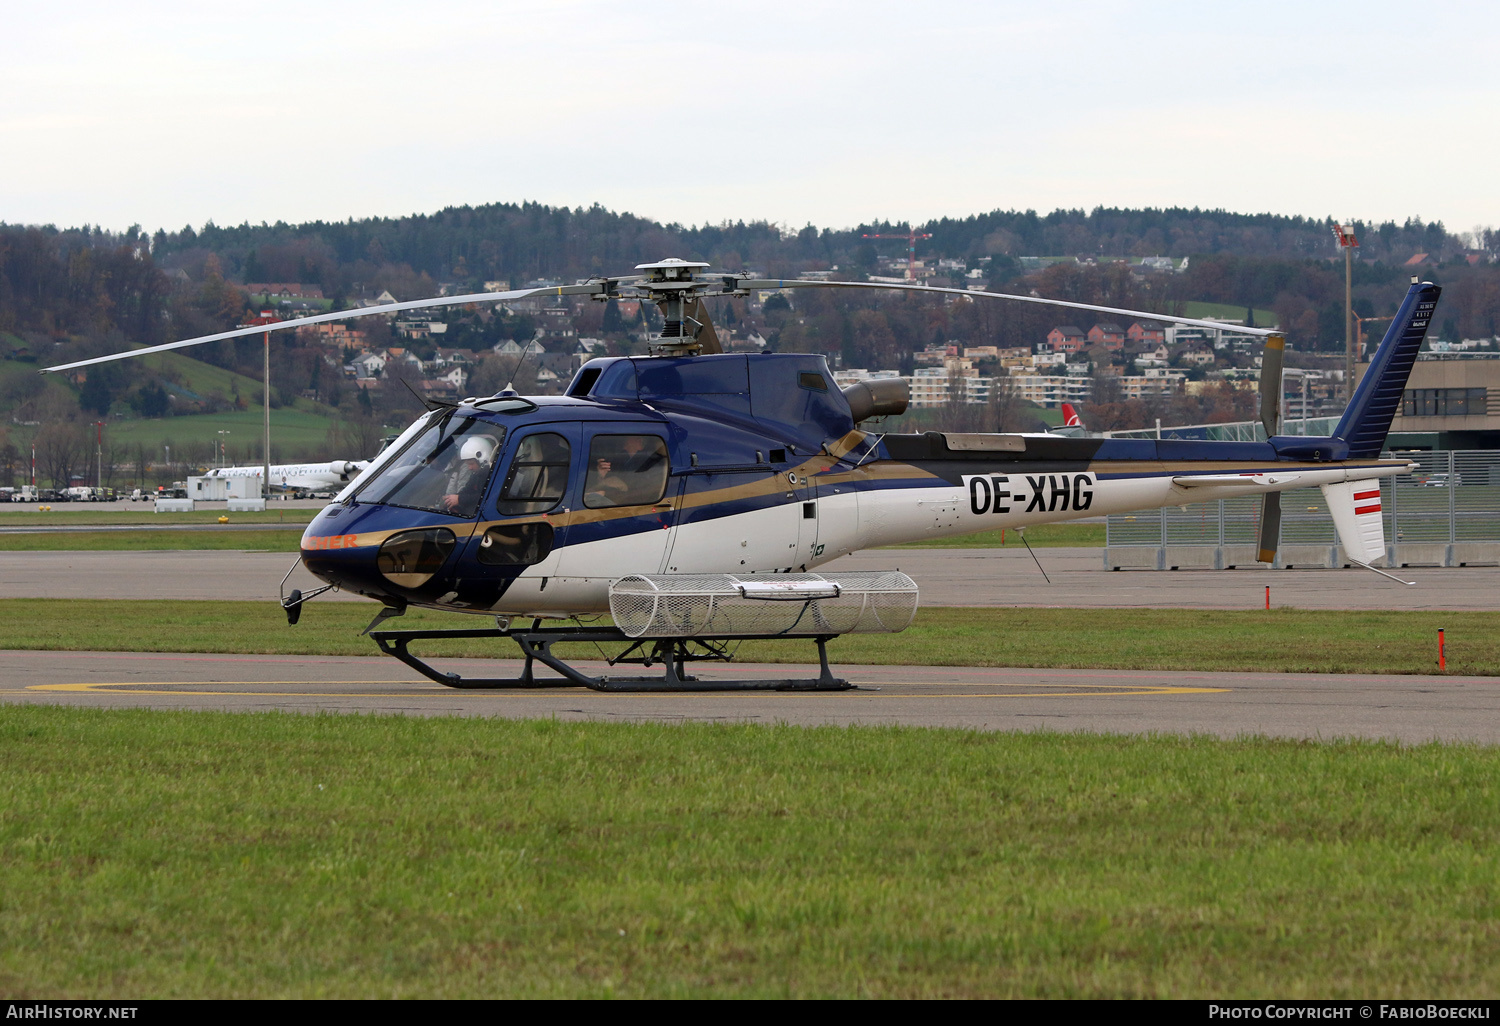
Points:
536	645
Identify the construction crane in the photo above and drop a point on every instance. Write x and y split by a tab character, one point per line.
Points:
1359	331
911	238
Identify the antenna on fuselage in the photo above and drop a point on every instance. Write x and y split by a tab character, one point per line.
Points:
510	386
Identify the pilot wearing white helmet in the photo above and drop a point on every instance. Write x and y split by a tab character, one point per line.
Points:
467	479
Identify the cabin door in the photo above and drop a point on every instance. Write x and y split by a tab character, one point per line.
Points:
620	525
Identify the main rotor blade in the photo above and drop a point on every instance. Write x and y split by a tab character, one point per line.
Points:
586	289
1270	526
772	283
1270	384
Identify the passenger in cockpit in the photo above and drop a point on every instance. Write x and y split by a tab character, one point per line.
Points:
466	480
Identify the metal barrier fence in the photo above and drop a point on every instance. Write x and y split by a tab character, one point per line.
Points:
1445	513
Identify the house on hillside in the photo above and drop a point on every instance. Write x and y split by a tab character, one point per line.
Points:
1145	332
1199	354
1066	338
284	290
442	358
1111	336
367	366
510	347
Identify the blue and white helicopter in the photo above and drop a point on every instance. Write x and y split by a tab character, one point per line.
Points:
692	494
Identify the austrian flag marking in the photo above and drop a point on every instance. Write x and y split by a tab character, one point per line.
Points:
1374	507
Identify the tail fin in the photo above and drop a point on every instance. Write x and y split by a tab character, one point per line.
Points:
1355	506
1368	419
1070	416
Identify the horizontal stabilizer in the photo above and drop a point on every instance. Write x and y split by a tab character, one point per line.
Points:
1355	506
1234	480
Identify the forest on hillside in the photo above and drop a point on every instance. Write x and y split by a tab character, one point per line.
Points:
71	293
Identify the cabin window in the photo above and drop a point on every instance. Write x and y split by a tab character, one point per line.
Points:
538	475
516	544
585	382
444	469
625	470
808	379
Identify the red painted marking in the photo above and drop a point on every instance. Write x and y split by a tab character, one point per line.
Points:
332	541
1362	510
1368	495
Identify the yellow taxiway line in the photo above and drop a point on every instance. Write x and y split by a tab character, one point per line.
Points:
188	688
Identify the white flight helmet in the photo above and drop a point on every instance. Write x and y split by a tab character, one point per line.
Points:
480	447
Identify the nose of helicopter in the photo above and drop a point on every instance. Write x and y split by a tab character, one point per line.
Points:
341	560
375	555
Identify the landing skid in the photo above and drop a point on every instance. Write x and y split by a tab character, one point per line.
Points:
672	653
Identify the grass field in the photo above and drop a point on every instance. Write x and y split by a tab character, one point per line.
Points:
1263	318
144	541
228	538
292	430
1039	536
1282	640
164	854
83	515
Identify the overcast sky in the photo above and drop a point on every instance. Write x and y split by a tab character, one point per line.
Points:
166	114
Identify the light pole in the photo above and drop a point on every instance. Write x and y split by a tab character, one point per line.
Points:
99	458
223	459
266	395
1345	235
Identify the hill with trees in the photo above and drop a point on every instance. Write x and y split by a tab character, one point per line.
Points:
72	293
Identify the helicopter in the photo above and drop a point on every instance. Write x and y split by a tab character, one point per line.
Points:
692	494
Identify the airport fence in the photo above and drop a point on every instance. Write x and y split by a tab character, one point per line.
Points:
1446	512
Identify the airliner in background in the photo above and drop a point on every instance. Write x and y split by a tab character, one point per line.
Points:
300	477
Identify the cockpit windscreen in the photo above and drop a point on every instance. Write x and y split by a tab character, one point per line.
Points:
445	469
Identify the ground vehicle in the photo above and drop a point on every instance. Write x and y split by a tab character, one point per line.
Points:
1441	481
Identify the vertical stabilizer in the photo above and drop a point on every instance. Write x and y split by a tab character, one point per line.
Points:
1368	419
1355	506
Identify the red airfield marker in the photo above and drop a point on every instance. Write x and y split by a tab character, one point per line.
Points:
1442	659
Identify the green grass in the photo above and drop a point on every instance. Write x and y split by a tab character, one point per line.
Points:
140	541
200	377
292	430
84	515
1282	640
1040	536
206	855
1263	318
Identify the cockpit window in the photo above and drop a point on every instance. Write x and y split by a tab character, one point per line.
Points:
444	469
538	475
625	470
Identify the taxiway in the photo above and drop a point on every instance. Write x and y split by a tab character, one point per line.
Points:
1404	708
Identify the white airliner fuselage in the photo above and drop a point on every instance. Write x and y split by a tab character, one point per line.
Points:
311	477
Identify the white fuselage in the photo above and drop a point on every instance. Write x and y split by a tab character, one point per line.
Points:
782	538
312	477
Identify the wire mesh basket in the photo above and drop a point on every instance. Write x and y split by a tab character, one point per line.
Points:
763	605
